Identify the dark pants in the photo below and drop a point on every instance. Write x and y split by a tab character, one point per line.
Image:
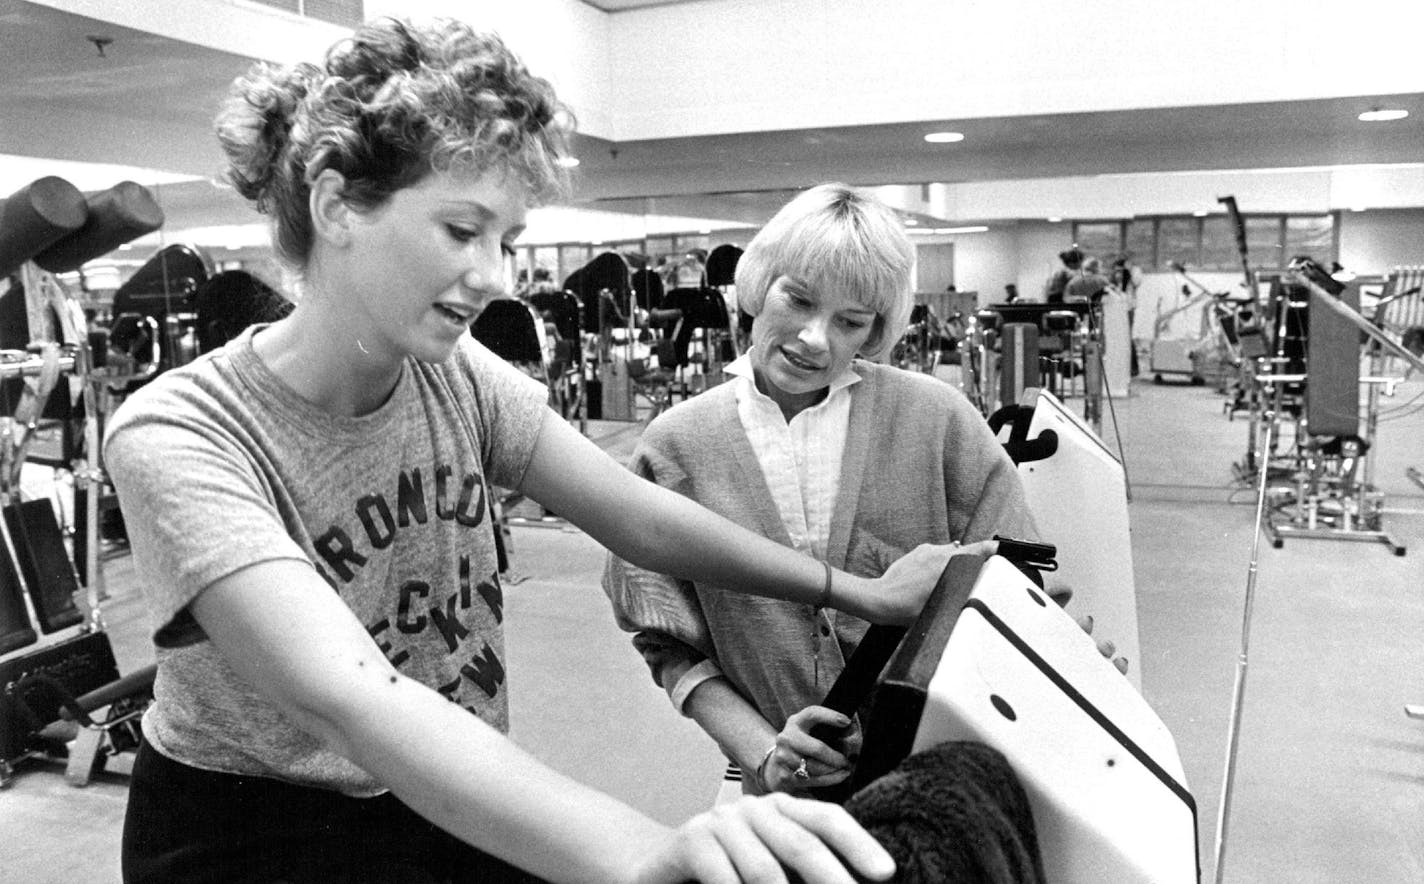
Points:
189	825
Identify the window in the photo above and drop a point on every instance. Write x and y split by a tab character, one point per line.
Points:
693	242
1313	236
1219	250
523	274
1101	238
572	257
1140	241
1209	243
547	258
1263	241
1177	242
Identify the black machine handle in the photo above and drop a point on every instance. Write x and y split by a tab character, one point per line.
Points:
1020	448
857	680
856	683
1029	557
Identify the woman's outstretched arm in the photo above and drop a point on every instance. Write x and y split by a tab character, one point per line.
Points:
662	531
288	635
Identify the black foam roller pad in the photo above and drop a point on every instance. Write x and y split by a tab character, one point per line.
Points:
35	217
116	216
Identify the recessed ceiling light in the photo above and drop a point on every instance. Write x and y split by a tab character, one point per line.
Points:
944	137
910	222
1382	115
1200	213
568	162
1054	220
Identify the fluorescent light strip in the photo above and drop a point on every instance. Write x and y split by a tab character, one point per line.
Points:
18	171
932	231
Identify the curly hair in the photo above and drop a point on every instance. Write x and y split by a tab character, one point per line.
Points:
390	105
833	238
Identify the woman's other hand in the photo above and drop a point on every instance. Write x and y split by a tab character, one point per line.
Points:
761	839
800	761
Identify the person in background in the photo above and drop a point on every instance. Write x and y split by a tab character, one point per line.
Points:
1127	278
819	447
543	282
1088	284
307	510
1072	261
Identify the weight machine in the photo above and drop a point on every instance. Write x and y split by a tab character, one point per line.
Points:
61	694
1008	349
1321	484
1320	474
921	347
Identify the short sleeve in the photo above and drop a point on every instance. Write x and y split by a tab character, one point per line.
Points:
194	508
511	408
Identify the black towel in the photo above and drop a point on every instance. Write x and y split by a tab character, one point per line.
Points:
954	813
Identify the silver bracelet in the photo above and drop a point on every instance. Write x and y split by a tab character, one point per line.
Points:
761	770
825	598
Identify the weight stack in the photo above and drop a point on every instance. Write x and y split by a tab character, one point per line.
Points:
1332	359
1018	362
617	391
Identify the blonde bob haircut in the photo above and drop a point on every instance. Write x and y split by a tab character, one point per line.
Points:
832	238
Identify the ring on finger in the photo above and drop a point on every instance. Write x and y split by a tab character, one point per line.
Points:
801	773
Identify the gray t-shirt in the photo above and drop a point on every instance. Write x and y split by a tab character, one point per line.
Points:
220	465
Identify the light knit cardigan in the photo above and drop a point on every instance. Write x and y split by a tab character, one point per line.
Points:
920	466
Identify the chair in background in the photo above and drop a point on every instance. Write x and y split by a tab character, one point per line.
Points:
722	276
603	287
926	341
722	265
1060	345
165	290
703	338
564	347
654	377
513	331
648	289
228	302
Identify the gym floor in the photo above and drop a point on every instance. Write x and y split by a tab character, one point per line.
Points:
1329	782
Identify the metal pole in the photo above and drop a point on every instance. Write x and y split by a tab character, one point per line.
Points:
1238	694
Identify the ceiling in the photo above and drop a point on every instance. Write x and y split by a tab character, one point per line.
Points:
1238	136
621	5
148	101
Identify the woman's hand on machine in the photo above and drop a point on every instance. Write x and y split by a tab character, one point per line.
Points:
1062	595
761	839
800	761
898	595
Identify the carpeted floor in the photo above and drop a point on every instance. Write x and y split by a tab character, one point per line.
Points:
1330	775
